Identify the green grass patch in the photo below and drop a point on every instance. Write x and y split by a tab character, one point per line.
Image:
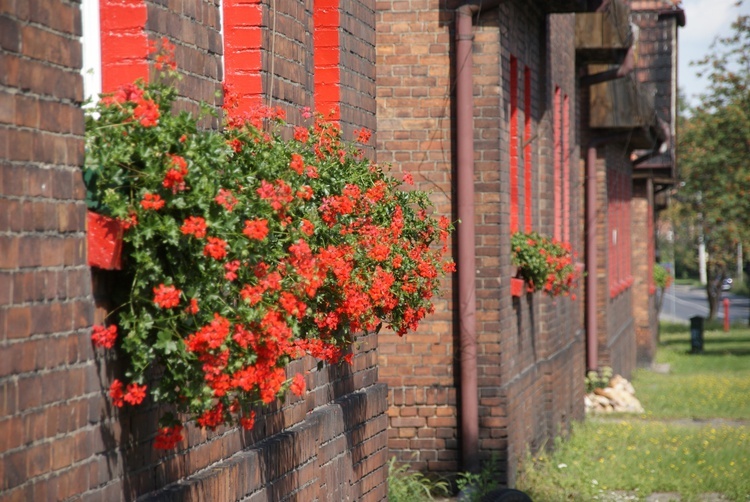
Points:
643	457
713	384
663	450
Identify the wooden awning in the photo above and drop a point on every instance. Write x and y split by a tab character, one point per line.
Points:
621	105
605	36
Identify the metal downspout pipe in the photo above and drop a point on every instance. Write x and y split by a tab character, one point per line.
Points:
592	328
469	402
592	258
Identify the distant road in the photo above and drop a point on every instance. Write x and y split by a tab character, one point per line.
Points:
683	302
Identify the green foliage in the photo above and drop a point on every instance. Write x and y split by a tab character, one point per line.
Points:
662	277
475	486
245	250
598	379
741	287
664	450
405	486
713	148
545	264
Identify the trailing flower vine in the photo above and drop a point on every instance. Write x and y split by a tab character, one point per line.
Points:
245	251
545	264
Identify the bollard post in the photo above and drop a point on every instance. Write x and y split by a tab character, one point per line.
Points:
696	334
726	314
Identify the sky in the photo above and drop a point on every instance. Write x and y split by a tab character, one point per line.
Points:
706	19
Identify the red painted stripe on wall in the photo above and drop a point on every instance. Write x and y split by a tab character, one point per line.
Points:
124	42
327	56
527	182
513	144
243	35
557	163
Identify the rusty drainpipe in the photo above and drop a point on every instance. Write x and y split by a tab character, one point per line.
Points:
466	232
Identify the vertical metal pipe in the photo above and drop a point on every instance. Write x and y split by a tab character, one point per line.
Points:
466	238
592	329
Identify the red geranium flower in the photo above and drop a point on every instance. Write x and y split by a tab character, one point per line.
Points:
147	113
193	307
116	393
175	177
166	297
298	385
363	135
297	164
104	337
168	437
248	421
256	229
216	248
231	269
152	201
194	225
226	199
135	394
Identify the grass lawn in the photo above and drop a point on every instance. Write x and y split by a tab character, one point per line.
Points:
665	449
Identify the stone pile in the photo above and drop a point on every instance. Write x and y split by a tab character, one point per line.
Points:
617	397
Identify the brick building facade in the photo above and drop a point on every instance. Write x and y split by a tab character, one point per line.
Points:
533	90
531	140
656	68
530	349
62	438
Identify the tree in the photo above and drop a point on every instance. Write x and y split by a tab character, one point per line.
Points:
714	155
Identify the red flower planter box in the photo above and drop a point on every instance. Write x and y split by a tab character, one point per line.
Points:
104	241
517	286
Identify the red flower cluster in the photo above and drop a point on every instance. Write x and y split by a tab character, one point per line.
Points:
194	225
546	264
216	248
168	437
152	201
256	229
134	394
226	199
166	297
175	177
255	254
104	337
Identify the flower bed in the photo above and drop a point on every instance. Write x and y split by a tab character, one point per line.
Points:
244	251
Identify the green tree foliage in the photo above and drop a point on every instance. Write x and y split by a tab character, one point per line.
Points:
714	155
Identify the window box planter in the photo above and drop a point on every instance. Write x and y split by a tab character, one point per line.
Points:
104	241
517	286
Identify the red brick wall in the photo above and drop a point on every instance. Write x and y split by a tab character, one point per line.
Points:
61	436
644	310
45	299
657	72
530	350
617	348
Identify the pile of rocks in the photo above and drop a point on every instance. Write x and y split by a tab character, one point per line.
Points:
617	397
